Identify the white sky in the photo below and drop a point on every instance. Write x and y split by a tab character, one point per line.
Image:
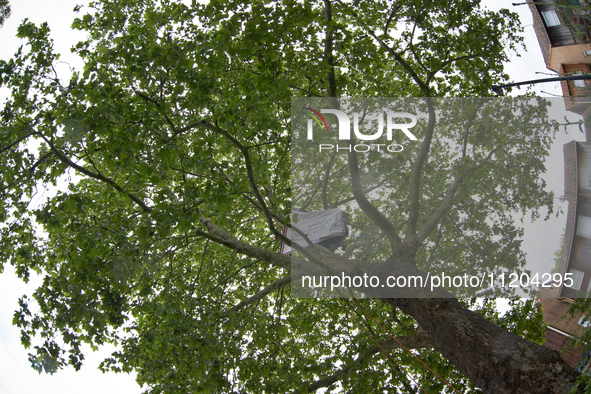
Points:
16	376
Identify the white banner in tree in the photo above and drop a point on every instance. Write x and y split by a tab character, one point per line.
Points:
317	225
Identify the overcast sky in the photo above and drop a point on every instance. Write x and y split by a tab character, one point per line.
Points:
16	376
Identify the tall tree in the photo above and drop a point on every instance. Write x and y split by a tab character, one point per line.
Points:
174	145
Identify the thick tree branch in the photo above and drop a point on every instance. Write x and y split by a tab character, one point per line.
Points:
446	204
328	45
469	124
417	173
492	358
368	208
222	237
390	17
325	181
39	161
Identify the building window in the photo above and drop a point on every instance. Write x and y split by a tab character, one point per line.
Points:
584	322
550	18
587	53
584	226
579	83
577	278
585	182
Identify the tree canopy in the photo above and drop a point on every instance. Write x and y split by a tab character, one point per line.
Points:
174	144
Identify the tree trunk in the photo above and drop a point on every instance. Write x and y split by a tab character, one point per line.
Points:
492	358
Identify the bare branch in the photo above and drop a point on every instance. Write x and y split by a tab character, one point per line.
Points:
426	229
